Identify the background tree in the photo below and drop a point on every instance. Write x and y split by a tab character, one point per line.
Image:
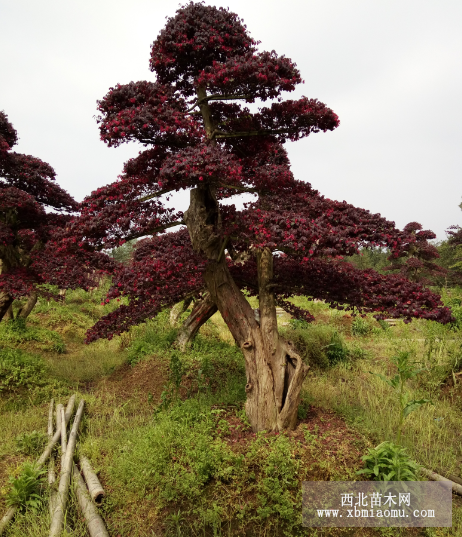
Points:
289	240
33	208
415	260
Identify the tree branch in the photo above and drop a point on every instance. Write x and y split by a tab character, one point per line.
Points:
242	188
217	97
152	231
221	134
155	195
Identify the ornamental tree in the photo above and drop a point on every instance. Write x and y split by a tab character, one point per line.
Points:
33	208
416	259
200	134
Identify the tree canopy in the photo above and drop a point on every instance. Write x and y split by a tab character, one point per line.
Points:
214	122
33	208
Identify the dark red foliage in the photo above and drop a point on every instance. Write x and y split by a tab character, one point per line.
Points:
415	259
147	112
345	287
193	40
29	250
454	235
8	134
252	76
200	134
164	271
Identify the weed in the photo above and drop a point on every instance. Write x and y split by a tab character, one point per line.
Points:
31	443
298	323
177	370
176	456
25	488
336	350
19	370
320	345
174	520
383	325
356	352
304	407
360	327
405	373
310	438
277	487
389	462
16	332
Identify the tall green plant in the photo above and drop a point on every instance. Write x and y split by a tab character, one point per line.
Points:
25	489
406	371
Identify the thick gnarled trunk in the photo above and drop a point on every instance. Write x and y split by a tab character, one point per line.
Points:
5	304
178	309
202	311
24	312
275	372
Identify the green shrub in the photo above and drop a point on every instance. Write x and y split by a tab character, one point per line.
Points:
279	484
17	332
177	455
383	325
312	342
19	370
155	336
298	323
23	373
456	307
319	344
336	350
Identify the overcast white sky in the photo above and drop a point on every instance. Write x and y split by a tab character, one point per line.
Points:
391	70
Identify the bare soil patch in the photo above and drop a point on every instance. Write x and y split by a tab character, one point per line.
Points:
144	380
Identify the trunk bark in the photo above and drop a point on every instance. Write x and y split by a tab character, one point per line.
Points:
202	311
5	304
9	315
28	306
178	310
275	372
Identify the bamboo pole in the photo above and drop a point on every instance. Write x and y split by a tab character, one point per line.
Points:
436	477
51	444
58	416
62	419
51	463
95	524
56	436
94	486
50	419
57	521
11	511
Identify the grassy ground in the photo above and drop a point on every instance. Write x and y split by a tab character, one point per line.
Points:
168	435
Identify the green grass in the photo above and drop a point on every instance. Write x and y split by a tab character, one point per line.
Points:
191	466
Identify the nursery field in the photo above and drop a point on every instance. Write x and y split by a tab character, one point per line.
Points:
167	432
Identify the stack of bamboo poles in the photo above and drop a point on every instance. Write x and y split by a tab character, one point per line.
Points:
58	498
